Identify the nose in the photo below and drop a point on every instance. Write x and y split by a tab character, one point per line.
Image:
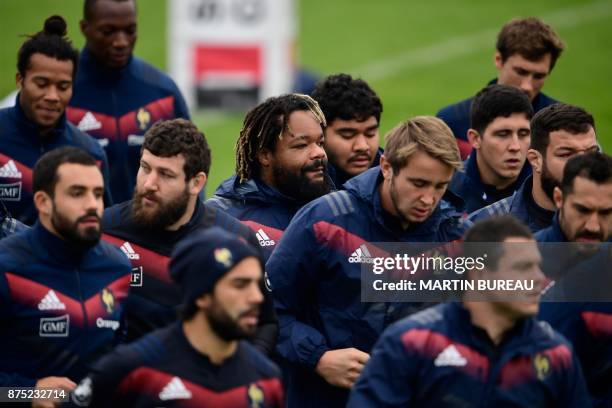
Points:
255	295
120	40
527	85
592	224
514	143
427	197
52	94
92	201
317	152
361	144
150	181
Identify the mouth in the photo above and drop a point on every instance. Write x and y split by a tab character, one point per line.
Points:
420	213
513	162
250	318
91	221
316	171
589	240
360	161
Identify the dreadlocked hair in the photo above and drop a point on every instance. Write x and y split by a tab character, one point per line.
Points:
264	125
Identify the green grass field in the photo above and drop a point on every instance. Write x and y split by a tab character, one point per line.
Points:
419	56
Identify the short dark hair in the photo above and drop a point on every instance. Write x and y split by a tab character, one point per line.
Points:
595	166
496	101
88	6
264	125
45	177
179	136
52	42
558	116
342	97
494	229
531	38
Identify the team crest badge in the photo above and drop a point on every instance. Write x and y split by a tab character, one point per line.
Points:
143	117
256	396
223	256
108	300
541	365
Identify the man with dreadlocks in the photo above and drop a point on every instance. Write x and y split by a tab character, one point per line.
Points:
280	166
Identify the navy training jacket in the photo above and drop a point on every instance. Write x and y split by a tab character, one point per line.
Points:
315	274
59	306
163	369
521	205
117	106
20	148
439	358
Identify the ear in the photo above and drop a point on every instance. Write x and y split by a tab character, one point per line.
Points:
474	138
497	60
536	160
18	80
197	183
385	168
265	157
84	25
203	301
43	203
558	197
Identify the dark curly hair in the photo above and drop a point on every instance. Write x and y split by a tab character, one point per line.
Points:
264	125
179	136
52	42
596	167
496	101
342	97
559	116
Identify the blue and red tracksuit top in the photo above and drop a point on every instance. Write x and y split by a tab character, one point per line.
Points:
315	274
59	306
163	369
259	206
117	106
468	185
438	358
154	297
521	205
588	325
458	117
20	148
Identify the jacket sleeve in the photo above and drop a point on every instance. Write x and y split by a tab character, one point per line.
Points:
8	378
292	270
388	377
108	198
572	390
180	107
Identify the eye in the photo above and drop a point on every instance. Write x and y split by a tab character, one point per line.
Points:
300	146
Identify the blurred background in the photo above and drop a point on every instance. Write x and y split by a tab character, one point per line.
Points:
418	56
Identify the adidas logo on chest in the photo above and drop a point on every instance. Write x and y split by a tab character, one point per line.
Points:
51	302
10	170
450	356
361	255
264	239
127	249
175	389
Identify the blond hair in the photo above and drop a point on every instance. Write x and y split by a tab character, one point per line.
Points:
425	133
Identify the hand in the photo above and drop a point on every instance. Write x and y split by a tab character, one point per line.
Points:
342	367
62	383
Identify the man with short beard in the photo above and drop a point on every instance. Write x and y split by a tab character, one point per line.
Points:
326	332
166	208
200	361
558	133
280	166
61	289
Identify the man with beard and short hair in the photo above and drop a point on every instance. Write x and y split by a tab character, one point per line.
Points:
61	289
280	166
352	111
500	134
201	360
166	208
46	68
527	50
326	332
584	218
558	133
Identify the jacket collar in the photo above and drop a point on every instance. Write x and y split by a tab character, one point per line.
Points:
56	249
90	65
30	129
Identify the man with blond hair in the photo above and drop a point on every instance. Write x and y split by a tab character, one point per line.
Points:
326	332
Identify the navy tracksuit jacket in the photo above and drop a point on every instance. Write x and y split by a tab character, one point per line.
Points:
154	297
438	358
163	369
315	274
468	186
521	205
59	306
20	148
458	117
117	106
